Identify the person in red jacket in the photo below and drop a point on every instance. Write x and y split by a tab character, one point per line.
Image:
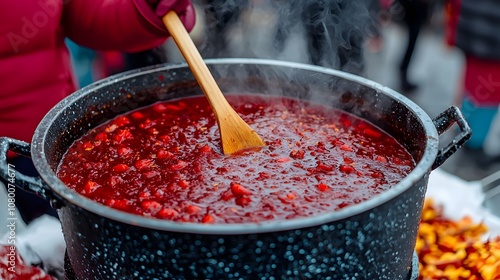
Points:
35	67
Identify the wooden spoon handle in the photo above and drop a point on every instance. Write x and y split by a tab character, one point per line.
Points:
236	134
194	60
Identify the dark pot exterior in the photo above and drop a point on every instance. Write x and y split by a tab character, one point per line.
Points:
377	244
372	240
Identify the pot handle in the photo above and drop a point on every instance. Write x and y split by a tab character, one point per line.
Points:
27	183
443	122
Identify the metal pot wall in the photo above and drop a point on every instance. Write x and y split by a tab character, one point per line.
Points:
371	240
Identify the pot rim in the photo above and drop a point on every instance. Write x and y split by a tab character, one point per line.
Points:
421	170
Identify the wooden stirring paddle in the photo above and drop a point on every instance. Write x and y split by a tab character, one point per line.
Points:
235	133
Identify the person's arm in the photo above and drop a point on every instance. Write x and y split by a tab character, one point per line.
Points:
121	25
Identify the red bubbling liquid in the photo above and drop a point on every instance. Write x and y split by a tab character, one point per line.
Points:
165	162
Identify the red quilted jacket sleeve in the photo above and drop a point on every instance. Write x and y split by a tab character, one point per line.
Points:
122	25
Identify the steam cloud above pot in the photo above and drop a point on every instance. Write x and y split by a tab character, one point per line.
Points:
328	33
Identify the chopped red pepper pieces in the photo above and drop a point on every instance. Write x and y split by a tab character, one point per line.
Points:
121	167
143	163
239	190
91	186
208	219
167	213
164	162
323	187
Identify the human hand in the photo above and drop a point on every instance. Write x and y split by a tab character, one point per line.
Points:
184	8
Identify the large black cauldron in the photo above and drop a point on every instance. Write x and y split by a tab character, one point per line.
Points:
372	240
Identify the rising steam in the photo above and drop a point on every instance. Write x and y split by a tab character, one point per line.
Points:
329	33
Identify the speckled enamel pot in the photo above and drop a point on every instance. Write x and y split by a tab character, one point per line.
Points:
371	240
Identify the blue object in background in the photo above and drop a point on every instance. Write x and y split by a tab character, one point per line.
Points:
82	60
480	120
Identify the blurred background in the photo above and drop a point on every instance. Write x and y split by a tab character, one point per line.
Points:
407	45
